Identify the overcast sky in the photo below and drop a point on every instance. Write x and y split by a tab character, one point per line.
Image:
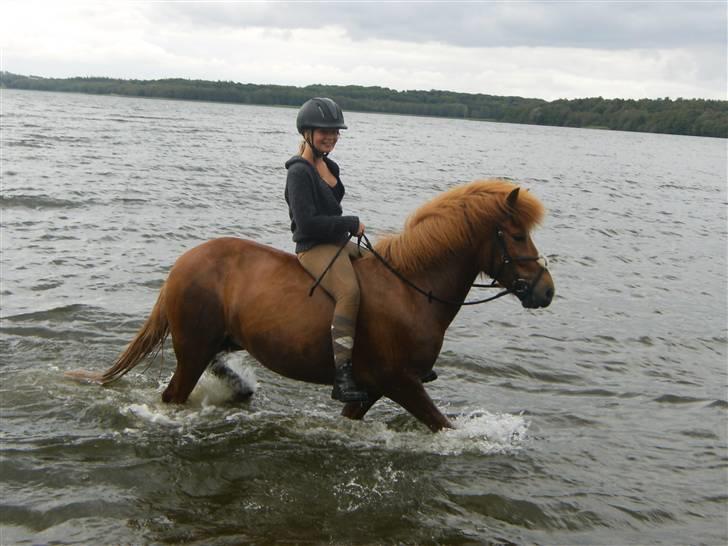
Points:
550	50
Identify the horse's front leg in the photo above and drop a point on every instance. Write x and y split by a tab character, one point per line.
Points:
409	393
357	410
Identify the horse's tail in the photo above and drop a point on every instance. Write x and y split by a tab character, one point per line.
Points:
149	340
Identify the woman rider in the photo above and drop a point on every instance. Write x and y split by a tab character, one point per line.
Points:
314	192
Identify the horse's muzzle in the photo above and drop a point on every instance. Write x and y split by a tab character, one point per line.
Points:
537	293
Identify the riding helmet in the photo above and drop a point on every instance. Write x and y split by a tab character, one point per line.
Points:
320	113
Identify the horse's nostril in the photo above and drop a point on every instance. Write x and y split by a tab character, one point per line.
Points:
550	294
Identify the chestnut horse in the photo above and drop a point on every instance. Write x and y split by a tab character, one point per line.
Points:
233	294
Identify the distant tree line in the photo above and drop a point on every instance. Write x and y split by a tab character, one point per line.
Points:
697	117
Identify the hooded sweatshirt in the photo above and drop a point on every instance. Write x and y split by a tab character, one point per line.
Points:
314	206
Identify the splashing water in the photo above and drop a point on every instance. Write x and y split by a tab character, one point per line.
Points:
477	431
233	381
212	394
487	432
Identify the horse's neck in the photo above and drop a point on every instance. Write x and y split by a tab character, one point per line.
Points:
450	280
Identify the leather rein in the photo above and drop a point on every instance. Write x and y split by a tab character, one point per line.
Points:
520	287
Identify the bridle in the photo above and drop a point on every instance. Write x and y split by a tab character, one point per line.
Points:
520	287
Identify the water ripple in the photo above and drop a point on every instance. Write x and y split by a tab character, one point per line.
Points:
624	373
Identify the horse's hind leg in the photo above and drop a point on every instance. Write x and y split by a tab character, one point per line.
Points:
191	363
195	345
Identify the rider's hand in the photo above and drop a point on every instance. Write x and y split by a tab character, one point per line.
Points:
360	231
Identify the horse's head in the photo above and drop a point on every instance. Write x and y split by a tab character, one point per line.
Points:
487	222
515	262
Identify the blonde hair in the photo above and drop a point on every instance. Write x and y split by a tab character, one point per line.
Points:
307	133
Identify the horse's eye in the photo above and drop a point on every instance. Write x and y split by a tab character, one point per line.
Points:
519	238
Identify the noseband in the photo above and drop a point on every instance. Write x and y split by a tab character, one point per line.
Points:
520	286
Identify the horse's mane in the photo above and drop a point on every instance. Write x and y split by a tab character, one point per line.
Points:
454	219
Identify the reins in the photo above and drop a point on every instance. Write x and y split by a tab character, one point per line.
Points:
318	281
428	294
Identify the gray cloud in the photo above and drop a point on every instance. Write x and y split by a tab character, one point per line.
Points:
598	25
629	50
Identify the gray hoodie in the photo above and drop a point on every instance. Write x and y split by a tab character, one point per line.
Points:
314	206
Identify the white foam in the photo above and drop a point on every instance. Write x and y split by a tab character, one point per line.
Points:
487	432
151	415
478	431
357	490
210	396
172	416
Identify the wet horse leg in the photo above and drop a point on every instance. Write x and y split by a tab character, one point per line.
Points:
409	393
357	410
191	363
196	342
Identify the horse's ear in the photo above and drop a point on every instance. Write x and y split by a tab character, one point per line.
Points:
512	198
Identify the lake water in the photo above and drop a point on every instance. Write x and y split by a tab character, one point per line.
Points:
600	420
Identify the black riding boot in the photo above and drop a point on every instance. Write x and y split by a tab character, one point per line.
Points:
342	336
345	389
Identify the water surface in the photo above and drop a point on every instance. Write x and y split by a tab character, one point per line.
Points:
600	420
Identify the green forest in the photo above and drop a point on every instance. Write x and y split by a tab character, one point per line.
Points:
697	117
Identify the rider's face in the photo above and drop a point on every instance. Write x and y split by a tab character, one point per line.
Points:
325	139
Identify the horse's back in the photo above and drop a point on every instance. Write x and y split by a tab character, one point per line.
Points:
227	248
242	273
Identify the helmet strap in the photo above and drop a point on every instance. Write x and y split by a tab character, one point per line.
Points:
317	154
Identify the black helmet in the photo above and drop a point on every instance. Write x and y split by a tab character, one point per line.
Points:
320	113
